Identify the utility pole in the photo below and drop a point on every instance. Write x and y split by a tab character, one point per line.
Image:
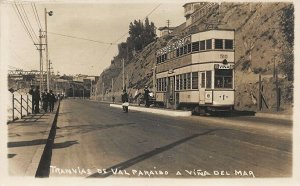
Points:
168	24
123	74
46	41
41	62
112	86
91	88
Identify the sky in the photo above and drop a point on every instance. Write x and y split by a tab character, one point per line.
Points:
104	22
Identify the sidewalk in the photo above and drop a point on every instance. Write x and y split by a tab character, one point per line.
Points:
175	113
27	138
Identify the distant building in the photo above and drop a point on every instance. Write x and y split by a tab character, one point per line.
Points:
165	30
196	10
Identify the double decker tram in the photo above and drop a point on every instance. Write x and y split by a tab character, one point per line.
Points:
197	72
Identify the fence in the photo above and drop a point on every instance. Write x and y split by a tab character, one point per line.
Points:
19	105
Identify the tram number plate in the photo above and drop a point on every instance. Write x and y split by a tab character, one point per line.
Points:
221	66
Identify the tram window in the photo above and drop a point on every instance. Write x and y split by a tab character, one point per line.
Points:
218	44
166	57
157	59
188	81
208	44
189	48
195	46
165	84
177	52
208	79
203	80
202	45
181	82
194	80
228	44
181	51
185	49
184	81
177	82
223	78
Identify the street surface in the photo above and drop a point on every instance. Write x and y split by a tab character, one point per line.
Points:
95	140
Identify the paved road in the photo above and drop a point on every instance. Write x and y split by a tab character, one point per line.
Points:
94	140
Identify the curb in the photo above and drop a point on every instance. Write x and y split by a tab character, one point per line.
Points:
174	113
32	169
274	116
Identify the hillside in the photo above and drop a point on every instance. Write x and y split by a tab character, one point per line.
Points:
264	36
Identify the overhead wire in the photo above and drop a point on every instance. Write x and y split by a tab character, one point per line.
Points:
36	15
75	37
142	20
28	21
23	23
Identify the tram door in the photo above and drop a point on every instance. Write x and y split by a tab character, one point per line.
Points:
202	88
171	92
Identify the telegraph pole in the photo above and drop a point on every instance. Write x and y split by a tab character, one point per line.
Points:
41	62
123	74
168	24
46	40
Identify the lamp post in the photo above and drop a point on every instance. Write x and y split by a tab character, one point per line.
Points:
50	13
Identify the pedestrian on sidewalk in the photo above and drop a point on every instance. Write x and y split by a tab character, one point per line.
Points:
31	92
125	101
36	100
146	96
51	101
45	99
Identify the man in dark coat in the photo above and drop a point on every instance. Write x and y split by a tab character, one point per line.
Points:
51	101
45	99
146	96
31	92
36	100
125	101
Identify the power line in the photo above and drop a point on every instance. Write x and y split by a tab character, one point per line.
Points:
75	37
22	22
142	20
28	21
36	15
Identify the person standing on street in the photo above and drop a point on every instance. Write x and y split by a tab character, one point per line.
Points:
51	101
45	99
125	101
36	100
31	92
146	96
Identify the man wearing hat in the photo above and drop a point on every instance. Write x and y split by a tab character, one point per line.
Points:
125	101
146	96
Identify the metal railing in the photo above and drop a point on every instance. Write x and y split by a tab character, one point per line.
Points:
20	105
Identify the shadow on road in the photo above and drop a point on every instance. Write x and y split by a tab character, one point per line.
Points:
235	113
82	129
137	159
26	143
64	144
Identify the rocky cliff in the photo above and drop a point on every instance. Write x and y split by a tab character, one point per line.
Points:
264	40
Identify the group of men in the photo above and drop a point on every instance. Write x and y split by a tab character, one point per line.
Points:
125	99
48	99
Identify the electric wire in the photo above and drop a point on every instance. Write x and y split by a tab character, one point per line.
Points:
75	37
142	20
36	15
28	22
23	23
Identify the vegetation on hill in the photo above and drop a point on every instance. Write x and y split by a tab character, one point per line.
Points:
264	38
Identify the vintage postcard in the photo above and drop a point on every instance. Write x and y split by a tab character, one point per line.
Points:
149	93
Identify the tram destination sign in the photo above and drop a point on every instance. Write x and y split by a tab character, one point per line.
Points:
222	66
174	46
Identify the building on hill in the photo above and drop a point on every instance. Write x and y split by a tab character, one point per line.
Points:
165	30
196	10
